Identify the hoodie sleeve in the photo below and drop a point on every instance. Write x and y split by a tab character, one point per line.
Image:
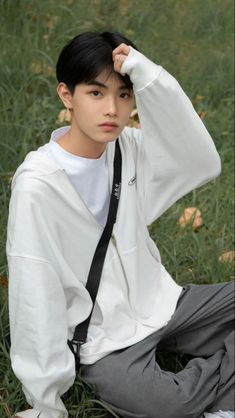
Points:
40	357
176	152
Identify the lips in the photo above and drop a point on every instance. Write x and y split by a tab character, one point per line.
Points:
109	124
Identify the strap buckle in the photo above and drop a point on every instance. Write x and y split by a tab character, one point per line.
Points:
75	348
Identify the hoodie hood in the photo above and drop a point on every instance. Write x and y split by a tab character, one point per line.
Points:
35	164
39	163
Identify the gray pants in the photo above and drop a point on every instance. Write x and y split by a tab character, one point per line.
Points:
131	382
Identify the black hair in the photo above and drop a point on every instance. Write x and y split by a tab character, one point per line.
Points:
87	55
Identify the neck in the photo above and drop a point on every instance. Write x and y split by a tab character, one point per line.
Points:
79	144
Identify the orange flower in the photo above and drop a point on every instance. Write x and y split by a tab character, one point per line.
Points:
191	215
64	116
227	257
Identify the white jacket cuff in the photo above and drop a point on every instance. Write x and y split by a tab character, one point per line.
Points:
29	413
34	413
140	69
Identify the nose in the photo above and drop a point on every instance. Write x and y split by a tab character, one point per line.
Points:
110	107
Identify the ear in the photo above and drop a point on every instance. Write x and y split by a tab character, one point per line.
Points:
65	95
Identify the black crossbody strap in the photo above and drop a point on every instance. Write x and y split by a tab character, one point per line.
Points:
80	333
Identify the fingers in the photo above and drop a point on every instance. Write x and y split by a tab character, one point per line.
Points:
121	49
118	61
119	55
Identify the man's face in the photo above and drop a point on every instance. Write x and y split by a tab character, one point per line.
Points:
103	100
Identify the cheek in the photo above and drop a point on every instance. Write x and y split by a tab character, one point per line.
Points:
130	105
126	110
84	109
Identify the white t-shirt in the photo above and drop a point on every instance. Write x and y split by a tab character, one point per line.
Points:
88	176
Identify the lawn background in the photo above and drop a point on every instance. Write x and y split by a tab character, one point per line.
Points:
193	40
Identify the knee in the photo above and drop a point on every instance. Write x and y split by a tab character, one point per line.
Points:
157	402
134	397
165	399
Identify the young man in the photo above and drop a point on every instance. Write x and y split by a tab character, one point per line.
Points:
58	209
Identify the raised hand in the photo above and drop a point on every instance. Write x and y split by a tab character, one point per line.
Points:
119	55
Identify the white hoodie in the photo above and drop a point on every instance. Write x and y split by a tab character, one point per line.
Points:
52	237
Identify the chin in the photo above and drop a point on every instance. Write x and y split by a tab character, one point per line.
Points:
107	139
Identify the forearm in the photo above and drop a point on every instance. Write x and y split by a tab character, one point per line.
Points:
172	130
177	152
40	357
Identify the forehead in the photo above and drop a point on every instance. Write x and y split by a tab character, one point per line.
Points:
108	78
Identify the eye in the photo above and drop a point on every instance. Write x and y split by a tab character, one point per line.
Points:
125	95
95	93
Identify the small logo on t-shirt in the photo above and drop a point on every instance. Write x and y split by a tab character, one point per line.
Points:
132	181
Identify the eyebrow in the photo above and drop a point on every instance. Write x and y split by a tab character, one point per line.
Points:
98	83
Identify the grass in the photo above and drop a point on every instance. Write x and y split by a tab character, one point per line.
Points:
194	42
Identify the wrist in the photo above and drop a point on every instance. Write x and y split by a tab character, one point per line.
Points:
141	70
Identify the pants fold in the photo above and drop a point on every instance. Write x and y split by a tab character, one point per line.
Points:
133	384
